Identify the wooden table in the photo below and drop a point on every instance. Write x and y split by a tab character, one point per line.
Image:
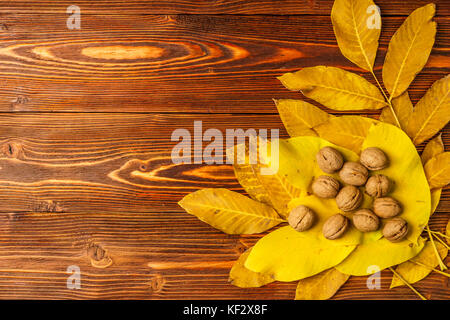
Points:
86	118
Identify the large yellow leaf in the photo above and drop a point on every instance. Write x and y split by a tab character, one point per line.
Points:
230	211
299	117
432	149
241	277
288	256
322	286
413	272
431	113
409	50
356	37
406	170
403	109
346	131
437	170
380	253
335	88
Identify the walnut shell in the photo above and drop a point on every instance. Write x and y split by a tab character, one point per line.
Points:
365	220
301	218
386	207
395	229
325	187
354	173
329	160
374	159
349	198
378	186
335	226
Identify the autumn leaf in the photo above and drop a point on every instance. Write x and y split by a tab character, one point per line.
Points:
322	286
409	50
435	197
230	211
431	113
241	277
299	117
403	109
335	88
381	253
346	131
413	271
433	148
357	40
289	256
447	231
437	170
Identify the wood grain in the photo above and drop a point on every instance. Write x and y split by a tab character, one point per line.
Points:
182	63
250	7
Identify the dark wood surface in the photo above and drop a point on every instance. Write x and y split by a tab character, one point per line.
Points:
85	171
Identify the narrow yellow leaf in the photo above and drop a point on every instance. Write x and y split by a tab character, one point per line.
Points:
299	117
346	131
381	253
435	197
403	109
322	286
335	88
437	170
249	180
413	272
409	50
356	31
242	277
432	149
431	113
447	232
230	211
288	256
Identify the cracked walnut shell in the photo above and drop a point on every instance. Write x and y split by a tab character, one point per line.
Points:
349	198
301	218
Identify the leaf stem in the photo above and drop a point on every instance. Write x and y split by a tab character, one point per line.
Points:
440	234
387	99
441	241
408	284
430	268
441	264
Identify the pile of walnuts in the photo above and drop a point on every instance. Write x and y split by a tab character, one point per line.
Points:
349	198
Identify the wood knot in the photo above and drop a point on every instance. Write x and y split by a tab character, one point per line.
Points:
99	257
3	27
156	283
48	206
20	99
12	150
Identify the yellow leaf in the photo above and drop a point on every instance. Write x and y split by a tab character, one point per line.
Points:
437	170
357	39
346	131
432	149
403	109
409	50
435	197
230	211
288	256
322	286
413	272
241	277
335	88
299	117
406	170
447	232
431	113
380	253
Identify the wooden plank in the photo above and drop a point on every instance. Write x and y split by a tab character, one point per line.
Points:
108	162
251	7
187	63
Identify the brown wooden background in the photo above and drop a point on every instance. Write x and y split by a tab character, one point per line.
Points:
75	127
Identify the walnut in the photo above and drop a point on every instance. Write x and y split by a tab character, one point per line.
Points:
378	186
329	160
365	220
374	159
325	187
349	198
335	226
354	173
386	207
395	229
301	218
